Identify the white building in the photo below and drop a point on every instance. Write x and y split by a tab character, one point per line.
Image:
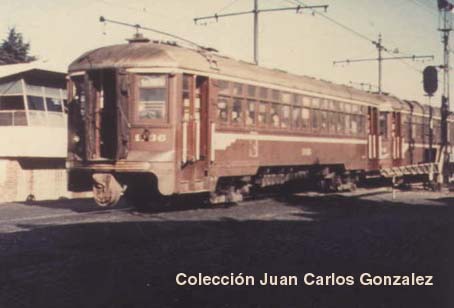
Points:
33	132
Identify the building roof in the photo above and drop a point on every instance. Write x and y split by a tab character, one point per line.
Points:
13	69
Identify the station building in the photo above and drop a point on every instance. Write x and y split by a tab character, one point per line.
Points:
33	132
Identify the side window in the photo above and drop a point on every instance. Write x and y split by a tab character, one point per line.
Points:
297	117
152	98
250	118
324	121
305	115
383	123
315	120
355	126
285	116
275	116
222	109
236	115
262	114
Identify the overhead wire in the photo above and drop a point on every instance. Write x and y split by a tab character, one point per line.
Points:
354	32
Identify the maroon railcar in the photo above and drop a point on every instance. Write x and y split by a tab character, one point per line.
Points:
153	119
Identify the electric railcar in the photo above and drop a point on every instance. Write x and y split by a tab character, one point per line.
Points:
154	119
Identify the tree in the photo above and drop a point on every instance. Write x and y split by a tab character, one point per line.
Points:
14	50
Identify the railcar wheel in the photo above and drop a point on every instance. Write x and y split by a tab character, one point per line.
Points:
106	190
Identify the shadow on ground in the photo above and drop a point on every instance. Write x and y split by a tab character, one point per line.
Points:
134	263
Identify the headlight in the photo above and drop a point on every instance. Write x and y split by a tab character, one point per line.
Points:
76	139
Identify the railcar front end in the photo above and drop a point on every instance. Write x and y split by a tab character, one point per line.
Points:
121	133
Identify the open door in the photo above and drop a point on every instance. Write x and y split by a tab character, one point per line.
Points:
372	148
194	133
397	138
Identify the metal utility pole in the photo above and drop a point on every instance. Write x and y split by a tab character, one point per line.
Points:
380	48
445	28
256	12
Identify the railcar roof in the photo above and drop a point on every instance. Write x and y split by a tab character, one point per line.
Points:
158	55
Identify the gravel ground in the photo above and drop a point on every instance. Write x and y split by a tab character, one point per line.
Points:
70	254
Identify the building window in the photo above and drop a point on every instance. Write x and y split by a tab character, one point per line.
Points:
35	103
53	104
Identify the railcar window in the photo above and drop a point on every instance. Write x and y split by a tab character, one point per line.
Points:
315	119
236	115
340	123
275	116
297	99
186	82
316	103
275	95
285	116
297	118
361	125
354	127
251	91
383	122
224	87
348	108
305	115
263	93
348	124
237	89
287	98
332	117
222	112
262	114
250	119
307	101
324	121
152	98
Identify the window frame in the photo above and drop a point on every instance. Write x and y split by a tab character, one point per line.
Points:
136	104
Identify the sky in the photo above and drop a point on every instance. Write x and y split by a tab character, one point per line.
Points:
305	43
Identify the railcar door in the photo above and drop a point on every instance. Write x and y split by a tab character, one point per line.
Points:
385	140
397	138
373	138
194	134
